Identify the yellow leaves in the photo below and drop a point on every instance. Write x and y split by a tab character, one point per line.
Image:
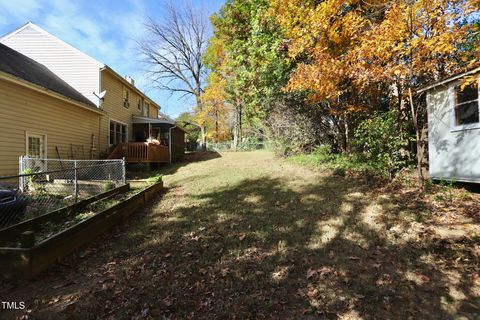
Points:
469	81
351	45
214	114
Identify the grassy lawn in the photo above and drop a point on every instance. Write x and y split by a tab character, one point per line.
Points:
247	235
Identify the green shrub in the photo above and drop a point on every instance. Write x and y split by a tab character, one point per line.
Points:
379	140
339	163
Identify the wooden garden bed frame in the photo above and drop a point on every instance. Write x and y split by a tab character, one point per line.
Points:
32	258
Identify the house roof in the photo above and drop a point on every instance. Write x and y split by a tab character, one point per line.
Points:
30	24
448	80
20	66
151	120
101	65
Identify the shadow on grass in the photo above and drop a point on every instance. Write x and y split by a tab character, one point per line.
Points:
261	250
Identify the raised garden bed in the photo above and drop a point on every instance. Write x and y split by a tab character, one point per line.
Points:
31	246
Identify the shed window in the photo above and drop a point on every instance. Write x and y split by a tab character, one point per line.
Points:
466	104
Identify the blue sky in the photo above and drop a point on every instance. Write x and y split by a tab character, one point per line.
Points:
104	29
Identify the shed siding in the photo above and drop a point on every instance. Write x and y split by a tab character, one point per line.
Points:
453	155
178	144
77	69
24	110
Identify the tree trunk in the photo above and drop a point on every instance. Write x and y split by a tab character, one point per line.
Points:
347	133
237	132
418	140
202	128
216	126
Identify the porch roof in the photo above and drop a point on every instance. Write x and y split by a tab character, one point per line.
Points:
151	120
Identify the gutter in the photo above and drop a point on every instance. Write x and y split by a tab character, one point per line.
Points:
451	79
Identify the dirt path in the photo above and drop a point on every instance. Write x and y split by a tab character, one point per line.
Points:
246	235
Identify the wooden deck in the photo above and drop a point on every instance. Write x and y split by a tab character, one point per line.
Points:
140	152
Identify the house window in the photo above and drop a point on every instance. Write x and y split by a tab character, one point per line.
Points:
146	109
35	146
126	98
118	132
139	104
466	104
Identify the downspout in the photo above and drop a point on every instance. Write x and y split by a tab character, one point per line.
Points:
170	142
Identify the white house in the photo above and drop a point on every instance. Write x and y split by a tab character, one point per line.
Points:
454	127
79	70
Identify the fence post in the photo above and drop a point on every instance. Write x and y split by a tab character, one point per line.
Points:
124	171
21	182
76	180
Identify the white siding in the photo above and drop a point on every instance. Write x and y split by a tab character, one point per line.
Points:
453	154
74	67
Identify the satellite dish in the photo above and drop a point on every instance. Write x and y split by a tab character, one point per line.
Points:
101	95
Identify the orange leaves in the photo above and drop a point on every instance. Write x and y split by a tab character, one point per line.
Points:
414	40
346	46
322	76
325	33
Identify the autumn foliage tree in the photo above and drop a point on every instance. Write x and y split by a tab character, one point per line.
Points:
353	52
245	52
415	43
215	114
345	59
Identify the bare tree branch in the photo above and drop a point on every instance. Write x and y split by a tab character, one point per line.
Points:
174	47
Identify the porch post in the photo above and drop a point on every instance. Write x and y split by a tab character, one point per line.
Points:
170	142
170	145
149	130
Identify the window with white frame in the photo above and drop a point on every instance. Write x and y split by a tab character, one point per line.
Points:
466	104
126	98
146	109
118	132
35	145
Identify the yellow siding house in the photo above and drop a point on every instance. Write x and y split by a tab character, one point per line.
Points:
118	120
41	115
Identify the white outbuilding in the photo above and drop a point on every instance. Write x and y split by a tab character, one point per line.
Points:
454	127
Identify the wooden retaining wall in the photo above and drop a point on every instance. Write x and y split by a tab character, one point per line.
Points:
26	262
13	232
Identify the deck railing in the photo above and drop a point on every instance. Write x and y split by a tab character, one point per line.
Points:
136	152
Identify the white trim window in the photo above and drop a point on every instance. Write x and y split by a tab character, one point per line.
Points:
126	98
118	132
466	112
146	109
35	145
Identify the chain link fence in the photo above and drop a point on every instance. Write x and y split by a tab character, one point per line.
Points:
242	146
44	185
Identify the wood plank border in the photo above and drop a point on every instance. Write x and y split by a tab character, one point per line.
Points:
27	262
13	232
